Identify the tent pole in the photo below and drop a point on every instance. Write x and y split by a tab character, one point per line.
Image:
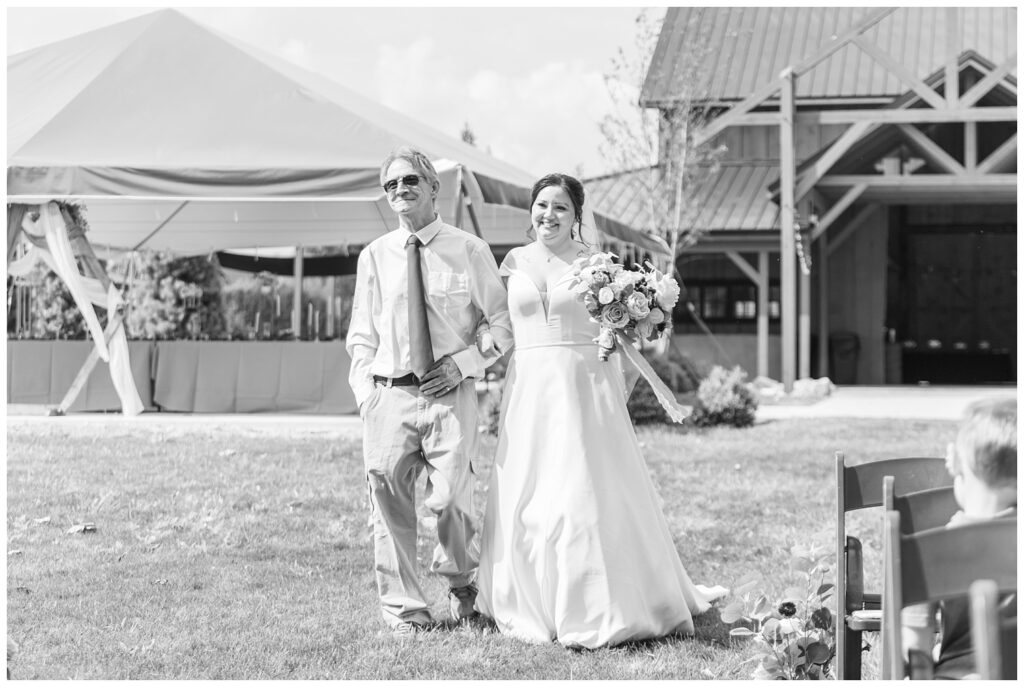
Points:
15	216
469	206
113	325
161	226
459	194
297	296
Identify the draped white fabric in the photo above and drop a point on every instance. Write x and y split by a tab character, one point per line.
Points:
59	256
50	226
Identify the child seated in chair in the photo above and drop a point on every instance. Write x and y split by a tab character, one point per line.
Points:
983	462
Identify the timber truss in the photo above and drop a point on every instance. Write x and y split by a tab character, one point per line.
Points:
922	148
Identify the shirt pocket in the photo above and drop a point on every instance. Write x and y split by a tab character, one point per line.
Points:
448	291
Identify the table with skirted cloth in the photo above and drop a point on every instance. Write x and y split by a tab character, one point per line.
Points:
191	376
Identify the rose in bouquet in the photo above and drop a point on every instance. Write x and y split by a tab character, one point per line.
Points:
633	303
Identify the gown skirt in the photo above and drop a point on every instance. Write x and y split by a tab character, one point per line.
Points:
575	547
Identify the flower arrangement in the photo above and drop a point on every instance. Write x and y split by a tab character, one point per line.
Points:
634	303
794	635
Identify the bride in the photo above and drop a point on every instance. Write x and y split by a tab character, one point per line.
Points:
575	547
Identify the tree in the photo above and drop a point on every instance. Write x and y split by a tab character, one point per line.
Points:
467	135
660	141
657	144
170	297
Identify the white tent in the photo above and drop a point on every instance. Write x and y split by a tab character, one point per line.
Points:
179	138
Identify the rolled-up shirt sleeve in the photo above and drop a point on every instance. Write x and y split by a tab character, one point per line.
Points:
489	296
363	339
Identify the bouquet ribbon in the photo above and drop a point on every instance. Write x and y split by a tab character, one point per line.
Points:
665	396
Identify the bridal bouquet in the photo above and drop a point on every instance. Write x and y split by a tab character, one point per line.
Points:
633	303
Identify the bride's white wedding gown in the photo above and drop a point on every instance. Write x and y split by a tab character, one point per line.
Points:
575	547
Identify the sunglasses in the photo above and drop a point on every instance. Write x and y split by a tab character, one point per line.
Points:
409	180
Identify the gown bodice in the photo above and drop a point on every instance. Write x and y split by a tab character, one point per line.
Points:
554	318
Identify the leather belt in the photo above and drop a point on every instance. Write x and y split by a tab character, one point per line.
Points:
405	380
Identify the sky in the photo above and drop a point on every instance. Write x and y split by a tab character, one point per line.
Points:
529	81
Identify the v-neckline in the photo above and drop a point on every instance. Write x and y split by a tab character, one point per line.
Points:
544	294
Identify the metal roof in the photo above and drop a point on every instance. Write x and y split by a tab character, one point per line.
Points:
733	198
742	48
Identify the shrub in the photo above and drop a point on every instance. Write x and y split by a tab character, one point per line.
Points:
271	296
794	634
643	405
723	398
673	370
54	314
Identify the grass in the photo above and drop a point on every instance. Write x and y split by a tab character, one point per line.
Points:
244	553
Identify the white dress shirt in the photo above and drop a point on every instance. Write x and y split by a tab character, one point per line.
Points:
462	288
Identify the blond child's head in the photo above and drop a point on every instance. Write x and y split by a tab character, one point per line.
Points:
984	458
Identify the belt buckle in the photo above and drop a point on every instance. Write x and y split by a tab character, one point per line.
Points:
390	383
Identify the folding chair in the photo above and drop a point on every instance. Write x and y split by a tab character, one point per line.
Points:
994	642
859	487
919	510
939	564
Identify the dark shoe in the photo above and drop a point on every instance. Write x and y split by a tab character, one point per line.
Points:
461	601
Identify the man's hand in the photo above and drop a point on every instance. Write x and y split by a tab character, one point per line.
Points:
441	378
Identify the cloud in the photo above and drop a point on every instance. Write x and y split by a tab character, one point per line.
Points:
541	121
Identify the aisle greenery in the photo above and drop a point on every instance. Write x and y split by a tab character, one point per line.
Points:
141	552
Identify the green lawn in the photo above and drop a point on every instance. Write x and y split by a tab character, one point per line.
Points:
244	553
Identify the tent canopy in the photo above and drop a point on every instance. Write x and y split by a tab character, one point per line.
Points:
180	138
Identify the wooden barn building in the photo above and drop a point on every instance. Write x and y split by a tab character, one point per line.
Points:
862	221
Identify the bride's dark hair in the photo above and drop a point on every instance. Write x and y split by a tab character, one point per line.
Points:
570	185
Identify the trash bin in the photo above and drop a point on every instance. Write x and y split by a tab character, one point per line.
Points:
843	353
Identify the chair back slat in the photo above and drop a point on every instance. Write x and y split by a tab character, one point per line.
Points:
862	484
924	510
941	563
985	629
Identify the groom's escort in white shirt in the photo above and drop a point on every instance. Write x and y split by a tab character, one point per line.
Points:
404	430
463	286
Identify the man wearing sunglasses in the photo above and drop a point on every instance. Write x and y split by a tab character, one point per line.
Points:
421	291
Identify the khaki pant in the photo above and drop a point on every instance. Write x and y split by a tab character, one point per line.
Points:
404	433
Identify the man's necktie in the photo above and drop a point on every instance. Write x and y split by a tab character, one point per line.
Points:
421	353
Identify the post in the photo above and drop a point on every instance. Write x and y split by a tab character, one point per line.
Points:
763	289
297	296
970	133
787	233
952	76
804	330
19	309
330	306
823	325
